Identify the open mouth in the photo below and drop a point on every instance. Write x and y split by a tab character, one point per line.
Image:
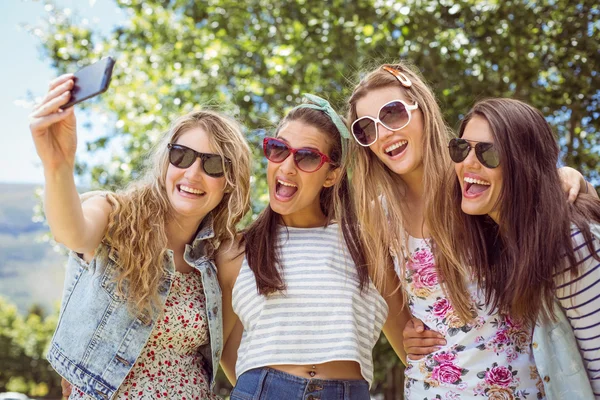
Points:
186	190
396	148
475	186
285	190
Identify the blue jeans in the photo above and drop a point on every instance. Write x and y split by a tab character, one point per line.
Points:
270	384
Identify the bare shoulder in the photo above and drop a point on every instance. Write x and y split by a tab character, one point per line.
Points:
96	200
229	260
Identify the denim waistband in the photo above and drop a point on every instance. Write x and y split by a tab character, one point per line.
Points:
268	383
306	381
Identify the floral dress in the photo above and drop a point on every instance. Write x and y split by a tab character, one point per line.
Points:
170	366
490	357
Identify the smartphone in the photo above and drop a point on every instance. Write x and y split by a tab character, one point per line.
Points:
90	81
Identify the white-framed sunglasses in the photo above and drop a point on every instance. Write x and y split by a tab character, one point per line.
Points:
394	115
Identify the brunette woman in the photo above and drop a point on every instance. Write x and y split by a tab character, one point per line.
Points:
309	313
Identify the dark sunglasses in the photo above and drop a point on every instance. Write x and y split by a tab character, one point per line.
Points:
486	153
394	115
183	157
307	160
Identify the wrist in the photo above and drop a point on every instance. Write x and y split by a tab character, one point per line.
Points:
59	172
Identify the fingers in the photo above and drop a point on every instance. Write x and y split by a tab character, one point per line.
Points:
418	324
58	91
66	388
57	81
571	181
421	351
418	342
410	334
573	192
40	123
415	328
51	106
415	357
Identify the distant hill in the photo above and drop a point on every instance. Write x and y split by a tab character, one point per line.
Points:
31	271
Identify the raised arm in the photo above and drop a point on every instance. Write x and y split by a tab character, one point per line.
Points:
79	227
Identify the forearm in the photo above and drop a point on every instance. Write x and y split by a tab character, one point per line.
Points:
230	349
392	329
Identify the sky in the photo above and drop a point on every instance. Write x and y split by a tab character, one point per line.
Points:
23	71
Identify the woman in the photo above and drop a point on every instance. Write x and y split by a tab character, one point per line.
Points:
141	309
525	261
400	144
310	315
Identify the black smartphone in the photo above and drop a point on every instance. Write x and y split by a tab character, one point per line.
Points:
91	81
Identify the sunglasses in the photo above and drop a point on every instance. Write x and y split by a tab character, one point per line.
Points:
394	115
486	153
183	157
307	160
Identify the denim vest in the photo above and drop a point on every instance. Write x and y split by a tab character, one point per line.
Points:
558	360
98	339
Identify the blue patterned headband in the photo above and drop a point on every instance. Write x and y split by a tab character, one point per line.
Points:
318	103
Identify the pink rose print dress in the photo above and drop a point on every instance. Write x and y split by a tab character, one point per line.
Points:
489	358
170	366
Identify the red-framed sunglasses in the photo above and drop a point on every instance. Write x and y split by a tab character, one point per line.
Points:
307	160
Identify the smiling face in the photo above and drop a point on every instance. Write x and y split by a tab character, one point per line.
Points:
480	186
295	194
401	151
191	192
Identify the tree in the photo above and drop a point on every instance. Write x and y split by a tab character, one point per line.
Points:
23	345
253	59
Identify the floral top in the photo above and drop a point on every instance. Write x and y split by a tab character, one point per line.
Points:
489	357
170	366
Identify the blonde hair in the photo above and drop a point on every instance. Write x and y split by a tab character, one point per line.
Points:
137	222
378	199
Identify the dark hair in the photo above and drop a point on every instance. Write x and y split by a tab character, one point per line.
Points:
514	262
260	238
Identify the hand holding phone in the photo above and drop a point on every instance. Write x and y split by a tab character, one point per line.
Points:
90	81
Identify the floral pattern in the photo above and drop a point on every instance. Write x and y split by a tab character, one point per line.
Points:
488	357
170	366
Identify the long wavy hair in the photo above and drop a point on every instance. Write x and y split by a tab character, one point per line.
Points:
260	237
137	223
379	192
514	262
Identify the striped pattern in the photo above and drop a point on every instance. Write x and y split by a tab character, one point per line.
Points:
322	316
580	298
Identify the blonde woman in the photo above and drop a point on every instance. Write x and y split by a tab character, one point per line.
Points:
141	309
401	146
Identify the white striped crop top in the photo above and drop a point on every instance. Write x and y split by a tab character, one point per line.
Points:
322	315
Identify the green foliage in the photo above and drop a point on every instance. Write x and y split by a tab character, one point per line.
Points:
253	59
23	344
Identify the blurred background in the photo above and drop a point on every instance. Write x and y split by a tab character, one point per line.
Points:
253	59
